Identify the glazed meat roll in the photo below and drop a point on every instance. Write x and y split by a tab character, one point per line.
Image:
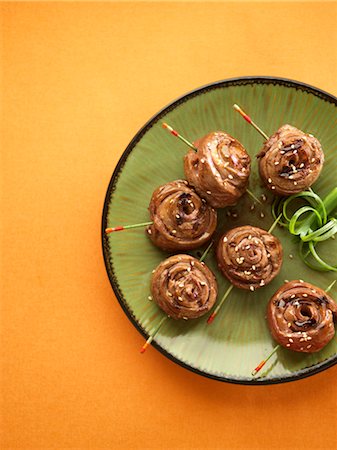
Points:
183	287
181	219
300	317
219	169
290	161
249	257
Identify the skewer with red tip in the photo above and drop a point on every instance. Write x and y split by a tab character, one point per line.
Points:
151	337
127	227
263	362
250	121
175	133
226	294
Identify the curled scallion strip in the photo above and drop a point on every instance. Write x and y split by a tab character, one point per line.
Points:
312	223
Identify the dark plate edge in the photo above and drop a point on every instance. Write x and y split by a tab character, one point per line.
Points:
304	373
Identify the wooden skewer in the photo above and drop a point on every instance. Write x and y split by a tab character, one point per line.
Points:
215	312
275	223
175	133
151	337
153	334
127	227
250	121
263	362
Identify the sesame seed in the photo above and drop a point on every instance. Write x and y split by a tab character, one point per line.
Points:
302	339
202	160
286	281
247	272
301	281
262	215
262	283
174	231
311	135
313	160
229	213
276	163
309	346
209	192
302	348
230	176
225	239
290	177
293	296
292	146
289	325
268	255
252	207
181	285
185	318
288	345
149	231
253	267
282	152
251	288
150	298
180	299
192	263
250	236
263	198
291	340
305	295
273	187
153	271
171	201
234	215
291	256
294	152
247	247
177	216
295	183
236	248
301	165
269	180
169	294
309	338
203	283
188	269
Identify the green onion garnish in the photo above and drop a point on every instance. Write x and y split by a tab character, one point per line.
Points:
313	222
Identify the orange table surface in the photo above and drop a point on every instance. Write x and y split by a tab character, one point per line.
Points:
78	81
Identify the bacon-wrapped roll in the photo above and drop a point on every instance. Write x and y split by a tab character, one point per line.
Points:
184	287
181	219
300	317
249	257
290	161
219	169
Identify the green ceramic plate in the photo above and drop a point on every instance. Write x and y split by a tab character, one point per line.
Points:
238	339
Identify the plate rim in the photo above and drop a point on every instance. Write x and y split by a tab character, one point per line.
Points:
236	81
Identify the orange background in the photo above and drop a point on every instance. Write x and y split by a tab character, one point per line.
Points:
79	80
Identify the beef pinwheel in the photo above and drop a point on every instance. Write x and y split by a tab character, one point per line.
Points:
249	257
181	219
183	287
300	317
219	169
290	161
